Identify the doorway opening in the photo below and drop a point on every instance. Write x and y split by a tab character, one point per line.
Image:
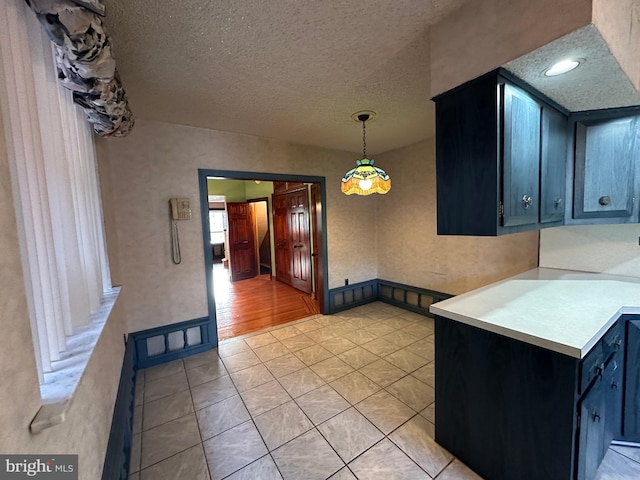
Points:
274	249
262	230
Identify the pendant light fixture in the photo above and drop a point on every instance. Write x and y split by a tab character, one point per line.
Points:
365	179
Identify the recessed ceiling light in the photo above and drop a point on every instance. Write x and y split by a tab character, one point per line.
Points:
561	67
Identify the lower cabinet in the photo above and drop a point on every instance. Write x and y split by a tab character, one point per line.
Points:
591	444
613	393
509	409
631	400
600	416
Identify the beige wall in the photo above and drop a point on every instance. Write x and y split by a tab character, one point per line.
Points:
486	34
619	24
410	252
86	429
592	248
395	233
158	161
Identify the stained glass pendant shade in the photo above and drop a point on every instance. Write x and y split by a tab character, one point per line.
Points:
366	178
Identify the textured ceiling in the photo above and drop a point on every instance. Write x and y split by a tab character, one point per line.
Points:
598	82
289	69
297	70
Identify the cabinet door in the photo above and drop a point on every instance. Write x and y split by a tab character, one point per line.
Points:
613	400
520	157
631	420
467	159
553	165
605	168
592	431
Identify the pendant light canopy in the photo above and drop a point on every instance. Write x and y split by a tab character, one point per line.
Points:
366	178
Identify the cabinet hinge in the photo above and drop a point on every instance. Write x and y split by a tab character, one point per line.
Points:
501	209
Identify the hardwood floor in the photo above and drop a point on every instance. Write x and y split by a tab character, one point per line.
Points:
249	305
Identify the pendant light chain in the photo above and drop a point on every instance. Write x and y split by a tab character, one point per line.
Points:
364	139
366	178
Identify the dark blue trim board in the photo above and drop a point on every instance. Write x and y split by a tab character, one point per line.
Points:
116	460
208	340
410	298
208	255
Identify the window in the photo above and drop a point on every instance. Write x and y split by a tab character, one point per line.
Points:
217	226
57	198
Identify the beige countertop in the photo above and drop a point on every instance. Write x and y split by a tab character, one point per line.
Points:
561	310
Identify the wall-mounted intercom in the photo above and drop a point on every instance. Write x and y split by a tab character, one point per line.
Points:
180	209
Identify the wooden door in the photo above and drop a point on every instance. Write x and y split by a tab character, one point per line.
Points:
281	238
241	241
316	254
300	240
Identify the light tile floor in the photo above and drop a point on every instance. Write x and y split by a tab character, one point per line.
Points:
347	396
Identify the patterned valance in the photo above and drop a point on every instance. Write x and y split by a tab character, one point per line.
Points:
84	62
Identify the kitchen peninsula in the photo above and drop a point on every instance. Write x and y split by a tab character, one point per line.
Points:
537	374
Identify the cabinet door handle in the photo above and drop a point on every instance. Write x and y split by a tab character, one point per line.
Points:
604	200
595	416
526	201
614	385
557	202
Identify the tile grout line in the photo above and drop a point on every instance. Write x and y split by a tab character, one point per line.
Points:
314	426
186	415
354	406
253	421
626	456
309	366
195	414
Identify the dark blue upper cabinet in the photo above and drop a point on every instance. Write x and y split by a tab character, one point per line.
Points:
495	141
555	144
606	169
521	116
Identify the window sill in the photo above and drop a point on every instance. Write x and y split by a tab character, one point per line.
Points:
59	386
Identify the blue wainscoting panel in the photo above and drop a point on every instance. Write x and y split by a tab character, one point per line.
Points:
350	296
170	342
116	460
410	298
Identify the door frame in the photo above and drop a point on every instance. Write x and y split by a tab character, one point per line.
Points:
203	173
266	200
